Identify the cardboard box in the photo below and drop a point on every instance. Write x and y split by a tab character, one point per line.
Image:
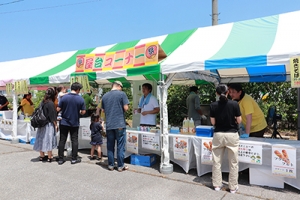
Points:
205	131
143	160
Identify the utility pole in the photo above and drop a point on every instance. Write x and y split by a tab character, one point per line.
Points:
214	13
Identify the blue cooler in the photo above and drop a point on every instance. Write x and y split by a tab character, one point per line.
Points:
205	131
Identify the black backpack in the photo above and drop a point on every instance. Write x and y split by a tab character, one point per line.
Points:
39	119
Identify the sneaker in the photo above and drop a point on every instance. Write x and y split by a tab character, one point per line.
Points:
111	168
60	162
234	191
218	188
75	161
120	169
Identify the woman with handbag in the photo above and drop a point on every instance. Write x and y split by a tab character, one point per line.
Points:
45	137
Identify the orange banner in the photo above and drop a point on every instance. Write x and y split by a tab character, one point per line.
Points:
142	55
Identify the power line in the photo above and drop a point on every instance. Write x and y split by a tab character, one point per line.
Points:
3	4
49	7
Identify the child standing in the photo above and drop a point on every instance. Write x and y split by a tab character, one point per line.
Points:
96	137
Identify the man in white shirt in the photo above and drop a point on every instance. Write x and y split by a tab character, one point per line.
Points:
148	106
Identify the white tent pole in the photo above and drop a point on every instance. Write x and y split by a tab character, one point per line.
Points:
14	138
165	166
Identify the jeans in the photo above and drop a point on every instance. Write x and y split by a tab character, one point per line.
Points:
64	130
220	142
112	136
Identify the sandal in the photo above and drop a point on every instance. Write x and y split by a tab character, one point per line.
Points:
49	160
42	158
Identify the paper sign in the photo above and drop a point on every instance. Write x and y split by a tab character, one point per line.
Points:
249	153
150	141
206	151
295	76
17	87
85	133
181	148
9	88
142	55
132	142
83	80
284	161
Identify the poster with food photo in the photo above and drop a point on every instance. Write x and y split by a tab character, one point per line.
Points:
150	141
132	142
206	151
181	148
284	161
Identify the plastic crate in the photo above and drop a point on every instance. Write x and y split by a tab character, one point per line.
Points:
143	160
205	131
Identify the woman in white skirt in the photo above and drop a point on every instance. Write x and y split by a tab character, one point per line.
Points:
46	136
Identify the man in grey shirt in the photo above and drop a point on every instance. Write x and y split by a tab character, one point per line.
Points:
193	106
115	104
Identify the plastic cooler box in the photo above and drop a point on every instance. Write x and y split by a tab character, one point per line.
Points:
143	160
204	131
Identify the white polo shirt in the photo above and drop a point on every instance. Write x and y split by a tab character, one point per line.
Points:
149	118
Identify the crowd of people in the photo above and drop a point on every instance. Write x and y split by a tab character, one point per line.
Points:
63	111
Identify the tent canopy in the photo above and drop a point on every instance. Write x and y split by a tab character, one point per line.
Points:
255	50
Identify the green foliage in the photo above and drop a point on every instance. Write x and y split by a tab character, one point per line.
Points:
176	102
37	97
280	94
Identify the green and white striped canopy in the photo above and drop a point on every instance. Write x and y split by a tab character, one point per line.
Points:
255	50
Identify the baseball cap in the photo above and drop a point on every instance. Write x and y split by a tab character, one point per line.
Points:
119	83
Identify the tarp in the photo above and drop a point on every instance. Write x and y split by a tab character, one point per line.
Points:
255	50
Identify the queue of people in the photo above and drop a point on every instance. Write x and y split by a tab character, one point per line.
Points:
225	115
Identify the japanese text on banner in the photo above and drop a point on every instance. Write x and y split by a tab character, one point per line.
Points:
284	161
142	55
295	77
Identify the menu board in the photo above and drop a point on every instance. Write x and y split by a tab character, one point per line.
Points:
284	161
249	153
150	141
206	151
132	142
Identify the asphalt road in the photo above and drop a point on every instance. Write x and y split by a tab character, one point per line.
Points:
22	176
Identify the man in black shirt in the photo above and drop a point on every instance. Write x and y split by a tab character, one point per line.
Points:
3	103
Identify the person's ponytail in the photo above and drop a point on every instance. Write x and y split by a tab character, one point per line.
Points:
222	90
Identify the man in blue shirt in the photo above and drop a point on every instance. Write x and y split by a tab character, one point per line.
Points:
115	104
71	105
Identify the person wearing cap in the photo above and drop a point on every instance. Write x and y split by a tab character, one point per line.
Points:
253	118
193	106
148	106
114	105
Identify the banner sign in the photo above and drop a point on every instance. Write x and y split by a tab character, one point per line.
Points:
284	161
295	77
9	88
84	80
250	153
142	55
21	87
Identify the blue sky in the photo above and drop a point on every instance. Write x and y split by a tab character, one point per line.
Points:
37	32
